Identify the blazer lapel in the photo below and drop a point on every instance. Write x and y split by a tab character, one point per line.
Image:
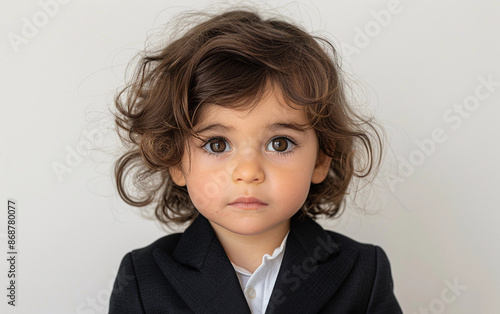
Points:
311	271
201	273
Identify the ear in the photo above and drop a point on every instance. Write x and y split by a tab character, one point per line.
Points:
321	168
177	175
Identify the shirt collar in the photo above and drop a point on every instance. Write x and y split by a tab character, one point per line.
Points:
266	258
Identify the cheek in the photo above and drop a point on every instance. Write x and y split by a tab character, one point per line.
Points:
206	185
292	185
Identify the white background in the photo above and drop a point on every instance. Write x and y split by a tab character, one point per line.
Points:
435	213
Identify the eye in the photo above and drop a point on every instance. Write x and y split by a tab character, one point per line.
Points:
280	145
217	146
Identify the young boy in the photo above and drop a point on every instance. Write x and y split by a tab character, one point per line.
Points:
242	128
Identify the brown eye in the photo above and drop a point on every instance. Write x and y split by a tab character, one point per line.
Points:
216	146
280	145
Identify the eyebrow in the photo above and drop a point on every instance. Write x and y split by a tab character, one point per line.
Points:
287	125
215	127
273	127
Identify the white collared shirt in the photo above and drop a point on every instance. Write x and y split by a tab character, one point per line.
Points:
257	287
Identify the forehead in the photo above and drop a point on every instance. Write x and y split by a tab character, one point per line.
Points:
270	107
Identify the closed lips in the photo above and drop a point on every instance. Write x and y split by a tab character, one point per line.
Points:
247	200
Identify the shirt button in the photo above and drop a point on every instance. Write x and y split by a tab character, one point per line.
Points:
250	293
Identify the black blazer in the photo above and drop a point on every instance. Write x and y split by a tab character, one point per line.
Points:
321	272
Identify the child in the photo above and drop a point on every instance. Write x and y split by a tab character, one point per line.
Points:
242	128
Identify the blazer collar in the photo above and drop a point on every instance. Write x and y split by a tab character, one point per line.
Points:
201	273
313	268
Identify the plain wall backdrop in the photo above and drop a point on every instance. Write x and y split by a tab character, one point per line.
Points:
428	70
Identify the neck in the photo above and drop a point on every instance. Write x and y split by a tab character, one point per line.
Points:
247	250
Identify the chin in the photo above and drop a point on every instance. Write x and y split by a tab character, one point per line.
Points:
250	228
247	230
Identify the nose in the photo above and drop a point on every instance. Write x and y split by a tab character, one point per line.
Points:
248	168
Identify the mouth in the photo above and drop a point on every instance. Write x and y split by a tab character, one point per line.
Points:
251	203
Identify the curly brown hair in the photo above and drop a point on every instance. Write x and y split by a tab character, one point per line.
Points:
227	60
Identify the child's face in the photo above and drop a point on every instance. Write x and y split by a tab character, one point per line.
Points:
248	154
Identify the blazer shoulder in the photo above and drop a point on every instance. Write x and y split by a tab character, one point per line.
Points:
365	250
373	272
166	243
139	282
346	241
370	257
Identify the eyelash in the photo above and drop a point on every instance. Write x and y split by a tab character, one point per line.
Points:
215	139
212	140
288	151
